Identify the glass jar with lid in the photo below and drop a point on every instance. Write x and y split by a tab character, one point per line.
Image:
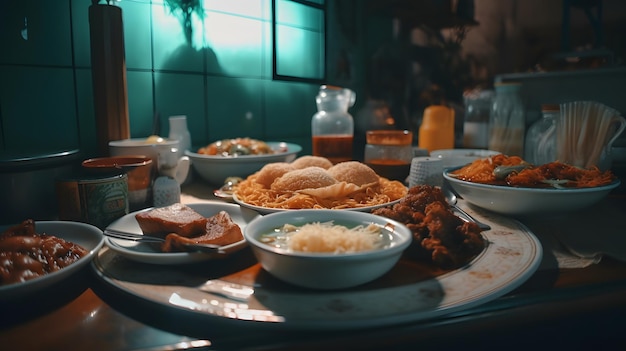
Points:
541	136
389	153
332	127
507	120
476	119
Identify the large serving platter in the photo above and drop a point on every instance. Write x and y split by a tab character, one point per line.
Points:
85	235
268	210
239	291
149	253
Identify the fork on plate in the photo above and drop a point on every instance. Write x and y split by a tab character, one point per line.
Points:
119	234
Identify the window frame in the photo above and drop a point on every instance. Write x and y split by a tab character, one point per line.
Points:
290	78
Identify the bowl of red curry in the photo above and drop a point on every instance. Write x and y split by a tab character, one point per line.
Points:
38	254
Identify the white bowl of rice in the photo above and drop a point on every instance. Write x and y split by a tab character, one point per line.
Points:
327	249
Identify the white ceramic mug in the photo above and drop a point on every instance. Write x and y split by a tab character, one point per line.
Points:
164	155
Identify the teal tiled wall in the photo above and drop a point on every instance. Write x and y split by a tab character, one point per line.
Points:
223	82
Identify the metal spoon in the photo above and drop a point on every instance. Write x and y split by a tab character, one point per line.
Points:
226	190
452	200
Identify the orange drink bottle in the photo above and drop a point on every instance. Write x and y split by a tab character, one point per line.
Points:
437	129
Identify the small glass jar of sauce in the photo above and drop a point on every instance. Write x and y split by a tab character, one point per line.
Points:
389	153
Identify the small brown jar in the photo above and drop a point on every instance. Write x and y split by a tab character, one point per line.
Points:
389	153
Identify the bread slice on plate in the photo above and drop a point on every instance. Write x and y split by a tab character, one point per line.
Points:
177	218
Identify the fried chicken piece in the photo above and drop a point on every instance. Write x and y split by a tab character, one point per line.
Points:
451	240
439	235
418	197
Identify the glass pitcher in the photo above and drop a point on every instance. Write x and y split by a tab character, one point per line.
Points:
332	127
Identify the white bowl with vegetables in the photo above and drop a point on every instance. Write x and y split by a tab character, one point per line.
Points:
327	249
240	161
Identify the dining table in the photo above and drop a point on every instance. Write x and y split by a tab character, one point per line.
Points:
574	299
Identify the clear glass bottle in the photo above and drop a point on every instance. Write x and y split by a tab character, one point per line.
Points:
507	120
332	127
389	153
541	136
180	132
476	120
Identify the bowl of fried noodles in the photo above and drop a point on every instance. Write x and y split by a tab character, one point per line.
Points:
238	157
509	185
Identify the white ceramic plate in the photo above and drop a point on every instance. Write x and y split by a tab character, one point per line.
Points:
249	297
147	253
85	235
268	210
527	201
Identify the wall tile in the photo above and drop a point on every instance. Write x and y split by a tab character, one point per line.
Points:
259	9
238	45
86	112
300	16
170	49
140	103
181	94
137	36
234	108
289	108
294	46
35	32
38	110
82	41
221	81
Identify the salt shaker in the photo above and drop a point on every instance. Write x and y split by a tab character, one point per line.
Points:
165	192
